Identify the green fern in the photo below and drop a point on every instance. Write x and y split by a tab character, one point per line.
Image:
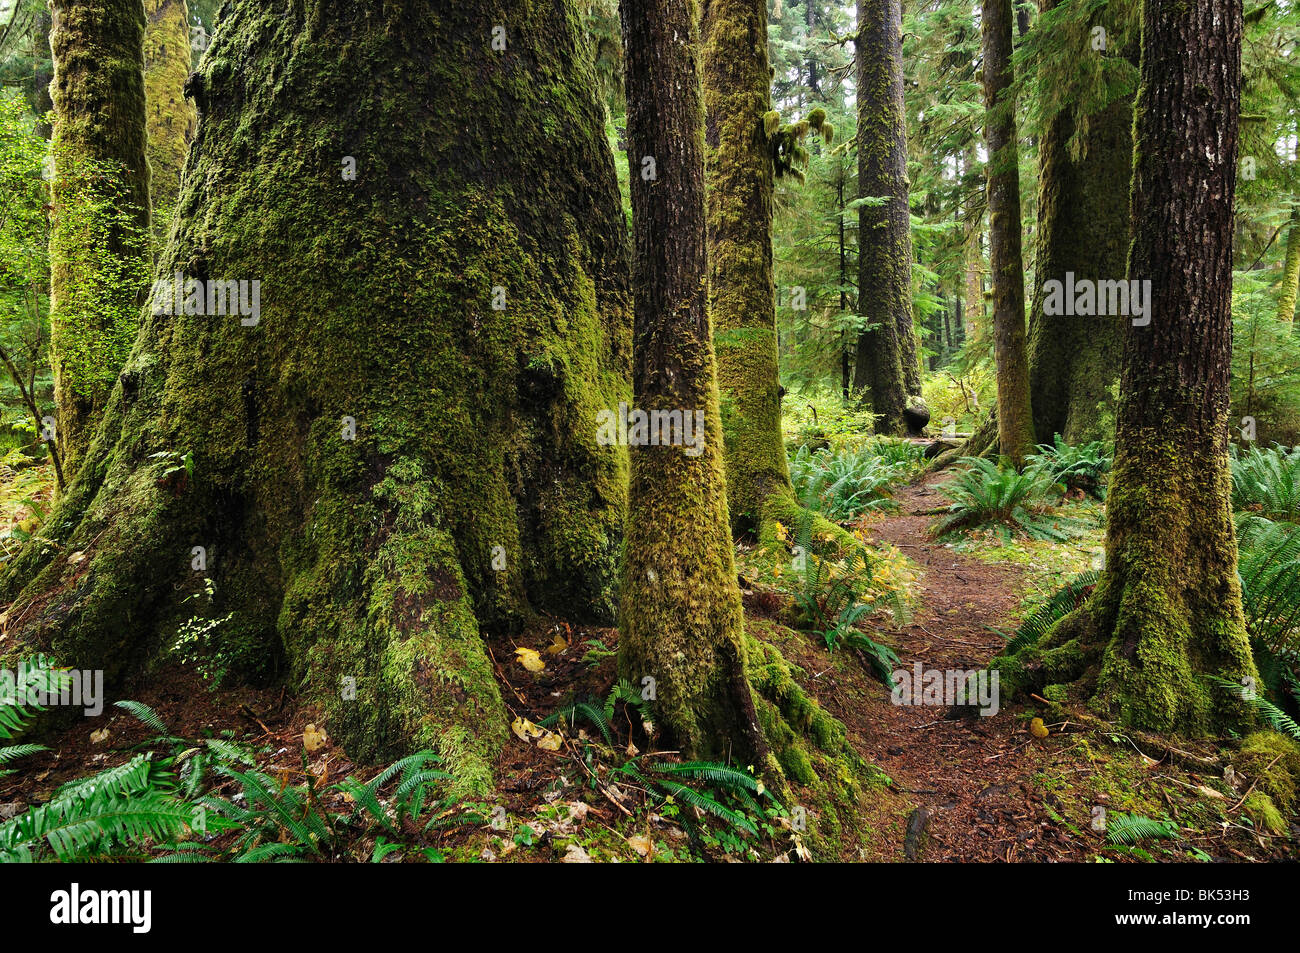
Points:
986	495
1127	829
1060	604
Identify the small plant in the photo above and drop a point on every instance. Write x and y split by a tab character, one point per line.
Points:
1128	829
844	484
1083	468
1060	604
986	495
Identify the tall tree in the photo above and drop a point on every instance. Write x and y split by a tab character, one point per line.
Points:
1015	424
100	196
1085	166
1168	608
1286	298
393	450
742	297
681	622
741	136
171	117
887	369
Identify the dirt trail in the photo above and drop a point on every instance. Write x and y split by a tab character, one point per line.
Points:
969	778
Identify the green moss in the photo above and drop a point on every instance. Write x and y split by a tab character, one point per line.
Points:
1272	761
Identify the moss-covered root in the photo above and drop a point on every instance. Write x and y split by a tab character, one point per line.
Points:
1070	652
1271	762
982	443
818	769
785	510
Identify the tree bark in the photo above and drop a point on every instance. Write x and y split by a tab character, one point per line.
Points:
171	117
681	622
1168	608
1286	298
99	153
1015	423
742	297
887	370
1083	228
462	301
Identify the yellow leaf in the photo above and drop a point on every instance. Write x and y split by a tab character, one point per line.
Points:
313	739
642	845
530	660
557	646
99	737
525	730
550	741
1037	728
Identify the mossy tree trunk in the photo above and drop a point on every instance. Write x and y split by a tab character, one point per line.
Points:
171	117
400	451
1168	608
1286	298
681	622
100	197
1083	228
742	300
887	371
1015	423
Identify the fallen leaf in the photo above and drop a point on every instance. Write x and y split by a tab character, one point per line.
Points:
642	845
100	736
550	742
1038	729
558	646
525	730
530	660
575	855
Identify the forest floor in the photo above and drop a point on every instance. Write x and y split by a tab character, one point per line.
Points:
951	789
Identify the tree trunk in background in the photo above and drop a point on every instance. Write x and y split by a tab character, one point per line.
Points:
1015	424
1286	299
38	91
887	368
680	621
1083	228
1168	608
1083	220
100	199
973	254
462	302
171	117
742	298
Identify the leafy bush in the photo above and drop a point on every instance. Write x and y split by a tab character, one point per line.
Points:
986	495
1267	482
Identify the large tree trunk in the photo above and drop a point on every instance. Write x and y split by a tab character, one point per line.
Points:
742	304
1286	298
171	117
1168	608
887	370
461	302
681	621
100	197
1083	228
1015	424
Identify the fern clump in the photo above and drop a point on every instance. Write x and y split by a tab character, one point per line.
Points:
1083	468
1267	482
985	495
844	484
